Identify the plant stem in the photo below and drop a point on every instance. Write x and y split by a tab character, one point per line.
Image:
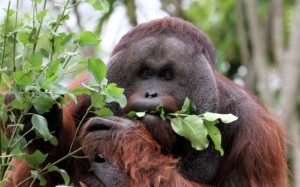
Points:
15	37
4	39
78	127
39	29
68	60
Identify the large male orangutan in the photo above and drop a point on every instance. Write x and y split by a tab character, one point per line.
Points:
163	62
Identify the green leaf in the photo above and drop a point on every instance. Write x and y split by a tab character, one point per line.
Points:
11	12
36	59
80	91
114	91
97	99
97	68
62	172
193	129
225	118
18	141
215	136
44	52
36	175
120	100
88	39
42	14
36	158
16	104
42	104
188	107
51	71
3	142
3	116
103	111
101	5
41	126
17	152
135	114
32	36
22	78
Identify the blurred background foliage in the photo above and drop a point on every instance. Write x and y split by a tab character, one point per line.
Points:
258	43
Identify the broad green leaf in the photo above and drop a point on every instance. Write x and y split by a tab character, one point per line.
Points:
225	118
53	141
120	100
26	66
97	68
36	59
193	129
36	158
36	175
42	104
103	111
51	71
41	126
32	36
215	136
17	152
18	104
18	141
80	91
42	14
11	12
88	39
62	172
101	5
44	52
188	107
114	91
97	99
22	78
67	40
59	89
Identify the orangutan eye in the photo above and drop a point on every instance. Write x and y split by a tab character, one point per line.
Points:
167	75
145	74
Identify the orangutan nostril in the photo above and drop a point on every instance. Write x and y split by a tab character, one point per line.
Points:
99	158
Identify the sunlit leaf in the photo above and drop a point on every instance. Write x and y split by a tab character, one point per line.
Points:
21	78
42	14
97	68
41	126
42	104
36	158
62	172
36	59
114	91
103	111
88	39
101	5
215	135
193	129
225	118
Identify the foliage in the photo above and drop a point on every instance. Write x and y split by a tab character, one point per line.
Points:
35	57
195	128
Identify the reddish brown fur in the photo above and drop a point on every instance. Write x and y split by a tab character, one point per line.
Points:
144	163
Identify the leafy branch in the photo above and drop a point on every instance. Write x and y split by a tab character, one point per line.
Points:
195	128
